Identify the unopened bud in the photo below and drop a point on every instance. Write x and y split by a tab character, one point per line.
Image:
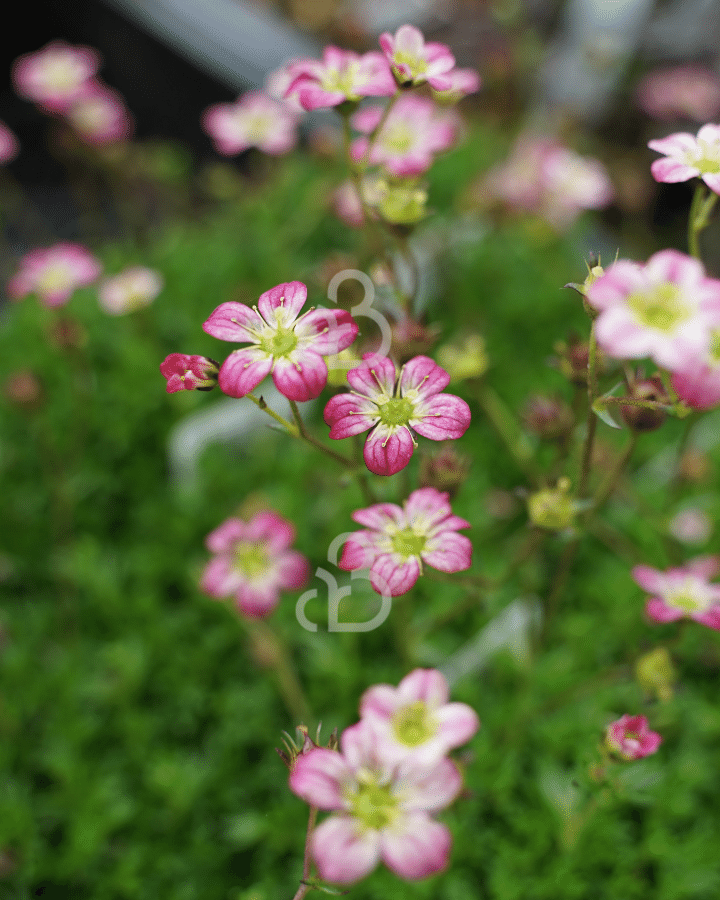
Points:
189	373
411	339
23	389
445	470
465	360
303	744
656	674
548	417
641	418
552	508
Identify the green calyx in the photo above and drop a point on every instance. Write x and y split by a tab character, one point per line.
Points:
412	725
396	412
250	558
280	343
407	543
661	308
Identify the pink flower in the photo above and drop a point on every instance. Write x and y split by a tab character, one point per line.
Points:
56	75
342	75
664	310
100	116
254	120
390	407
9	146
291	348
682	592
415	720
690	92
414	131
277	86
415	62
252	563
133	288
697	383
189	373
544	177
462	83
54	273
382	810
689	157
631	738
397	541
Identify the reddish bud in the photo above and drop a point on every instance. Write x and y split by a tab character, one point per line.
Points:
189	373
445	470
548	417
641	418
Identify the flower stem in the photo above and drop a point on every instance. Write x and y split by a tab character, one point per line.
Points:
305	435
304	886
261	404
591	419
699	218
611	483
271	651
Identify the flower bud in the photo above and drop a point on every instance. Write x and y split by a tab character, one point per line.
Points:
445	470
23	389
640	418
465	360
402	202
573	359
411	339
303	745
552	508
548	417
189	373
656	674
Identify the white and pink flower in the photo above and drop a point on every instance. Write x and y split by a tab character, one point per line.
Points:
415	62
189	373
55	76
135	287
254	120
462	83
285	343
397	541
631	738
393	407
686	157
690	92
682	592
697	383
414	131
341	75
9	146
415	720
100	116
382	811
55	273
252	563
665	310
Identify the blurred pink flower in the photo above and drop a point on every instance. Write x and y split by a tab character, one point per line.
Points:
254	120
415	720
688	157
290	346
189	373
392	407
630	737
415	62
462	83
413	132
277	86
131	289
342	75
682	592
54	273
664	310
252	562
697	383
9	146
543	177
100	116
382	811
55	76
397	541
691	92
691	526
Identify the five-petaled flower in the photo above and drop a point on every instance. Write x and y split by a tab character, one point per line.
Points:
54	273
415	62
397	541
391	406
252	562
682	592
688	157
189	373
342	75
131	289
382	810
56	75
288	345
254	120
415	720
631	738
664	310
100	117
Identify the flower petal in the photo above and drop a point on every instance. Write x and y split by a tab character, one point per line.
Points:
448	552
292	571
659	611
282	304
428	685
416	846
387	452
379	516
342	852
458	722
379	700
327	331
219	578
300	376
318	776
224	536
256	600
234	322
423	375
389	576
431	790
376	376
442	417
243	371
347	414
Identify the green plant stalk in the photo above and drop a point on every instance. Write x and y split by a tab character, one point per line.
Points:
293	696
608	487
592	418
699	218
305	435
304	886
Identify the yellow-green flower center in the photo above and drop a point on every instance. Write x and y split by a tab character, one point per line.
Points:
397	411
413	725
250	558
708	161
372	803
398	138
715	345
279	343
341	81
661	308
55	278
407	543
416	64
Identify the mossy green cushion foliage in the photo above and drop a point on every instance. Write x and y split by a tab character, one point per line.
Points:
137	724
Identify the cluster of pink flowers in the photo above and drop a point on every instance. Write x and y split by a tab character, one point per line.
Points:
397	541
55	273
60	79
252	562
631	738
543	177
682	592
668	310
389	778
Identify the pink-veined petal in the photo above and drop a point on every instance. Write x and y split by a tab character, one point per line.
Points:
674	144
678	268
222	538
327	331
423	375
358	553
234	322
620	336
431	790
670	170
379	516
271	529
712	180
651	580
292	570
342	852
375	376
219	578
416	846
282	304
387	575
448	551
380	700
243	371
661	612
317	778
428	685
442	417
458	722
710	617
704	566
300	376
256	600
387	452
